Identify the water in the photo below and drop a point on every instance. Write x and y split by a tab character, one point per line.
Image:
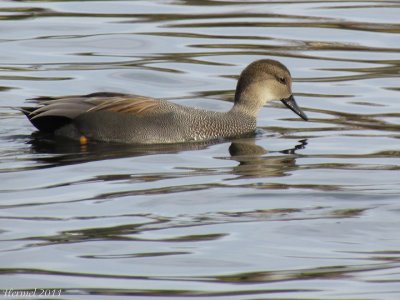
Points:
303	210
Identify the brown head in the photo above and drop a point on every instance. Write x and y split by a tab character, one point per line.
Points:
263	81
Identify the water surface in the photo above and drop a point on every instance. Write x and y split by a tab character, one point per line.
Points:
302	210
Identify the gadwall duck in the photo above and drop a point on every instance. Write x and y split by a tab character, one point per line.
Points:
121	118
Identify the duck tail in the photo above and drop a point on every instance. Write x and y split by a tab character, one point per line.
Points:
46	123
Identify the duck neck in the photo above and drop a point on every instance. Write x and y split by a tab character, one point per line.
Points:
249	100
245	109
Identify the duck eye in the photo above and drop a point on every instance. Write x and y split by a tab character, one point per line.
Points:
282	80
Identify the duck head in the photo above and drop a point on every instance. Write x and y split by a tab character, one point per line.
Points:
263	81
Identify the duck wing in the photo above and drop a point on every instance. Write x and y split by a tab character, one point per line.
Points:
54	113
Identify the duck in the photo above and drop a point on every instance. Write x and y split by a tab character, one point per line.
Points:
132	119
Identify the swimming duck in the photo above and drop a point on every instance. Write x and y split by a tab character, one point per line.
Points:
122	118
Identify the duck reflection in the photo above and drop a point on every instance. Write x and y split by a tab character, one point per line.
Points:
254	161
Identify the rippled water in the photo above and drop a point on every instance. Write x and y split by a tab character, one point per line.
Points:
303	210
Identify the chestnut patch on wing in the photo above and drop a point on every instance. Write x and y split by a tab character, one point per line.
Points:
136	105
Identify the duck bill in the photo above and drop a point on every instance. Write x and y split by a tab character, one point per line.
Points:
291	103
